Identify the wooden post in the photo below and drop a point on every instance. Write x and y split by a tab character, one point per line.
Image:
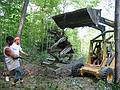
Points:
22	19
117	41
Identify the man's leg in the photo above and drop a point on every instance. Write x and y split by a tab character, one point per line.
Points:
13	73
21	73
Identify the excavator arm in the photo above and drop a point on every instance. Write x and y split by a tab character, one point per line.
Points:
107	22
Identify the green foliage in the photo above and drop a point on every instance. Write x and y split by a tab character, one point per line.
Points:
73	38
85	3
47	6
9	19
101	85
51	86
11	10
35	38
2	66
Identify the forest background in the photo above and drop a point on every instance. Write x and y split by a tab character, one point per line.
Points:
35	37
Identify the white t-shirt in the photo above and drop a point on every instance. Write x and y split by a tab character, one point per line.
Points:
10	63
16	48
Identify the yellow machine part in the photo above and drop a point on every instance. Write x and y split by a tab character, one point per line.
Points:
91	69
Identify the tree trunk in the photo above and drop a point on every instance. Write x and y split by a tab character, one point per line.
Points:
22	19
117	41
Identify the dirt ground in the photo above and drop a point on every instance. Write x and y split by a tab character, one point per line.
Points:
40	80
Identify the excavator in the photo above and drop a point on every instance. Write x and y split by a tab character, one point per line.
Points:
101	57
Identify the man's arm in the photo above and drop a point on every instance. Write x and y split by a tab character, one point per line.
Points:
22	52
9	53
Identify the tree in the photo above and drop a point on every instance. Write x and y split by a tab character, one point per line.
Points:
22	19
9	19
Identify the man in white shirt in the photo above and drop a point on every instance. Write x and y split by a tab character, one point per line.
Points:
16	47
12	61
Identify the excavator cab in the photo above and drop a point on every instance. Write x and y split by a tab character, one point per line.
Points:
101	58
101	49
